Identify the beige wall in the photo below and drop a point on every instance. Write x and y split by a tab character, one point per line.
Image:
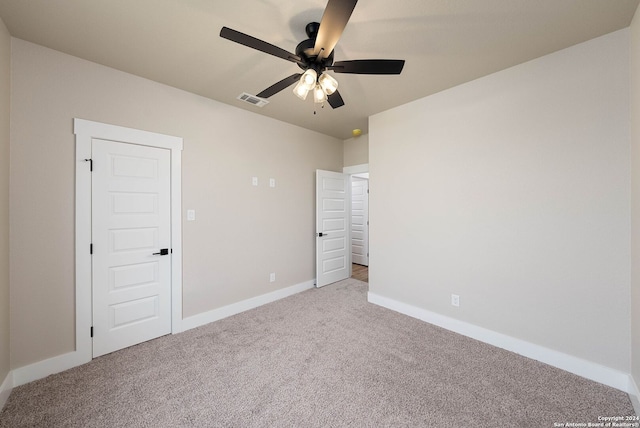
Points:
513	192
242	233
635	196
356	150
5	86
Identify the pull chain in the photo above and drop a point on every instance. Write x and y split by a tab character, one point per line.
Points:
321	106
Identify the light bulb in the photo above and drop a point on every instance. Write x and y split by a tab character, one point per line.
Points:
328	83
318	94
309	79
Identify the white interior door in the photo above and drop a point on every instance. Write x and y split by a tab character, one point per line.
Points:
333	261
131	224
360	221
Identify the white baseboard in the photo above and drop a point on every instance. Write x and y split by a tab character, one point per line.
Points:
48	367
5	389
64	362
587	369
634	395
245	305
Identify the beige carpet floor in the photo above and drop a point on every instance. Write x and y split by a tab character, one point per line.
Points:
321	358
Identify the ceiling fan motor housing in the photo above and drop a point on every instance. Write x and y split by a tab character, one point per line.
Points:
305	51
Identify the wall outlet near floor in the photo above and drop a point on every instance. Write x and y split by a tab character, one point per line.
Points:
272	277
455	300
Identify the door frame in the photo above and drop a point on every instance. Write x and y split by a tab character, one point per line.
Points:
85	131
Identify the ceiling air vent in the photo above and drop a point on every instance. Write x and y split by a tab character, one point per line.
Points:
252	99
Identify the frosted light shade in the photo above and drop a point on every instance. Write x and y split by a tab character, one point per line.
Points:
328	83
318	94
301	90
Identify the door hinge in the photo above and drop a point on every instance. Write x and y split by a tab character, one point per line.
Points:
90	248
90	164
91	331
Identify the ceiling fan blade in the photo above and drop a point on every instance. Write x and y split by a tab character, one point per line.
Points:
369	66
252	42
334	19
335	100
277	87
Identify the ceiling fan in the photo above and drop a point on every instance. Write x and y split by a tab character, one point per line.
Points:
315	56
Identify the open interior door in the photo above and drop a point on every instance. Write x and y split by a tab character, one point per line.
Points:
360	221
333	249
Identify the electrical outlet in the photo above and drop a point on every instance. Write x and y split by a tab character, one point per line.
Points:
191	215
272	182
272	277
455	300
254	181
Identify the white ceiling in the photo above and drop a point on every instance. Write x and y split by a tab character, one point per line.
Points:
444	42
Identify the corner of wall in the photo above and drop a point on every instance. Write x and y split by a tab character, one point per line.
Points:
634	135
634	395
5	389
5	105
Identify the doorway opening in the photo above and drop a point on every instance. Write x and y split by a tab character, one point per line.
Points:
359	272
338	218
359	245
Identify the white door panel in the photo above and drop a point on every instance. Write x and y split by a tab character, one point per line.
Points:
130	222
360	221
332	227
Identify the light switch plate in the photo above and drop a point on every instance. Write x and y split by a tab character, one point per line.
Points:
254	181
272	182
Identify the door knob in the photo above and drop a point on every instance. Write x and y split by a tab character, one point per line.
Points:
163	252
